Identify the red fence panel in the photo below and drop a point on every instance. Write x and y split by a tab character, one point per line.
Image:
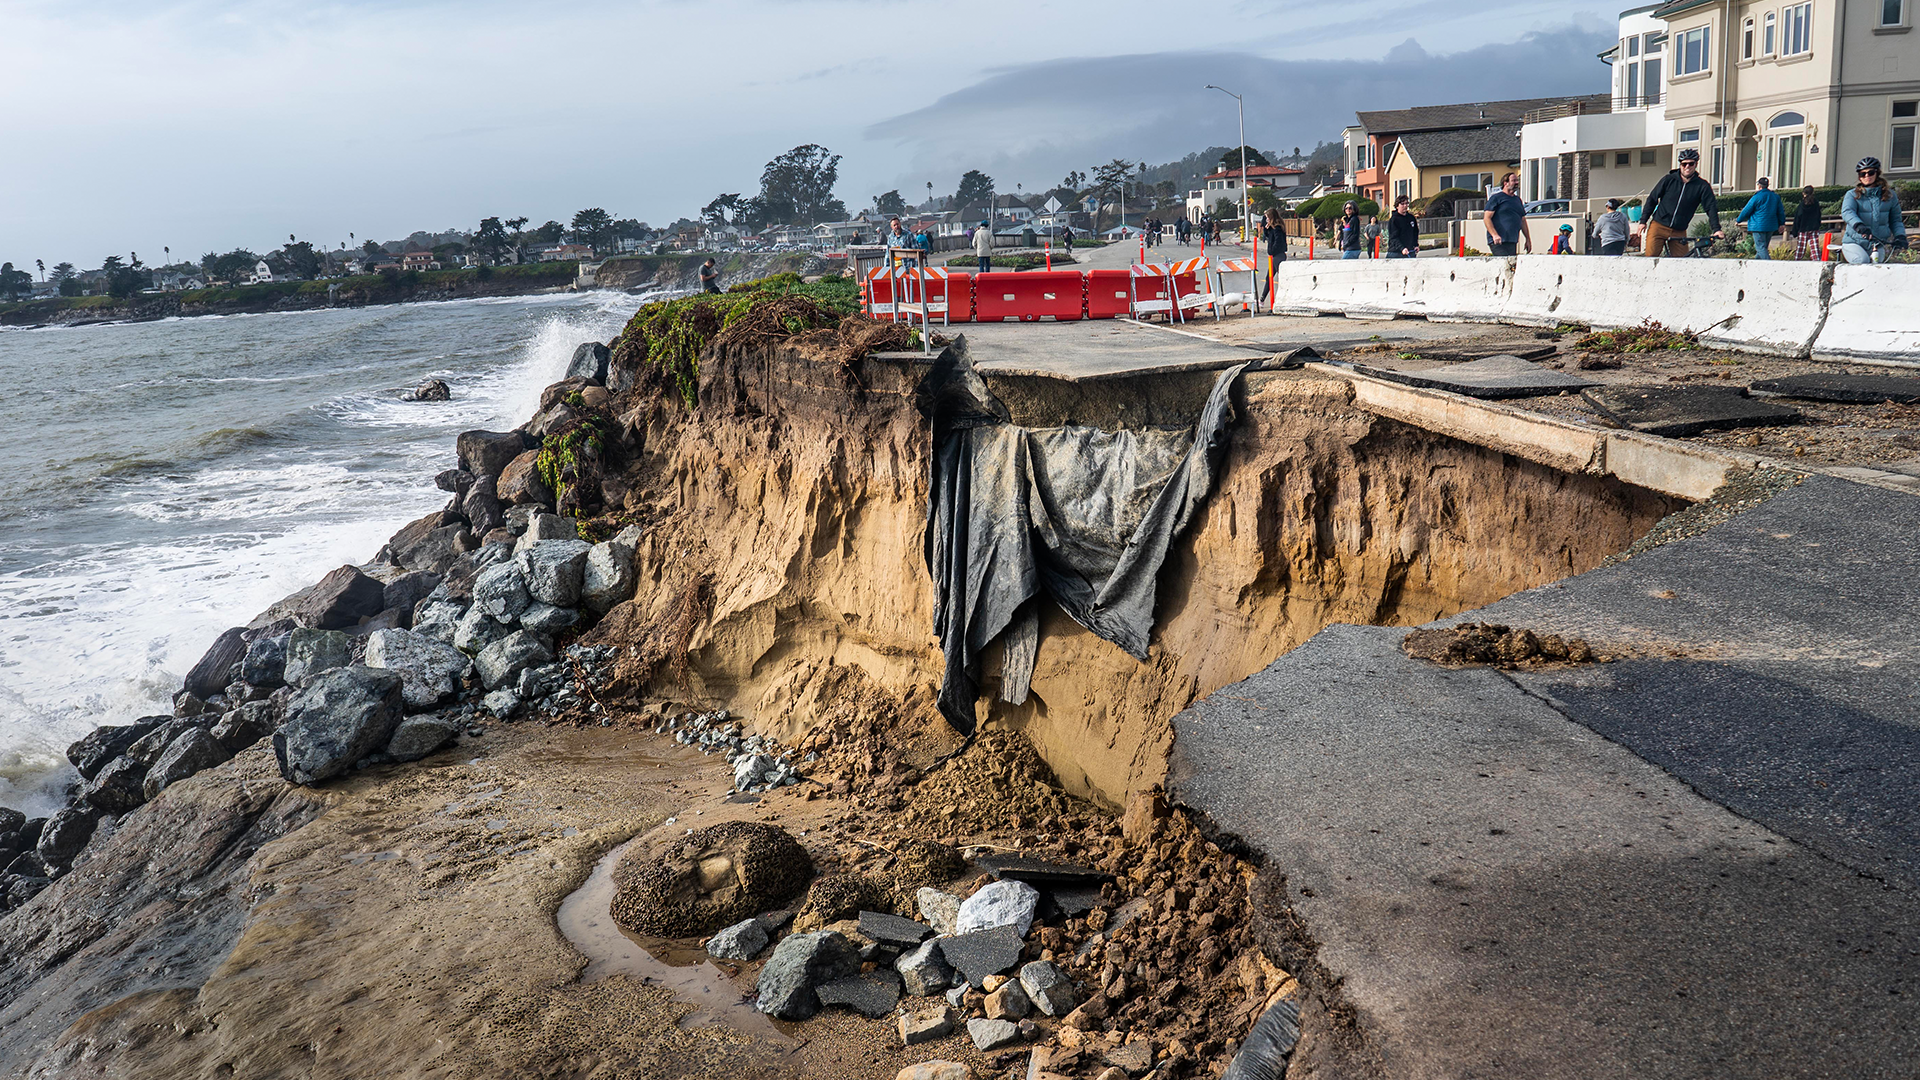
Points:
1002	296
1107	296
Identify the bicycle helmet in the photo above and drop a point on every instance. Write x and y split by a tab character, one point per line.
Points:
1868	163
1689	155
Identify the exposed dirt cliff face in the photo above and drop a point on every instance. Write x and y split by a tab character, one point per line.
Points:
786	516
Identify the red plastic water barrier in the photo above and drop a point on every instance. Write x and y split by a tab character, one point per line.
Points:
1003	296
1107	293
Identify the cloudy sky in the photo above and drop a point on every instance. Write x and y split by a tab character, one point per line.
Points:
210	124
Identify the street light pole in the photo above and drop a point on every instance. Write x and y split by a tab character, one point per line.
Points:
1246	222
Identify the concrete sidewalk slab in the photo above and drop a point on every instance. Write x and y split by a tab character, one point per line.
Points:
1678	411
1494	377
1852	389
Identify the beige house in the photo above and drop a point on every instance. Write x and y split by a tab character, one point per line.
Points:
1423	163
1794	91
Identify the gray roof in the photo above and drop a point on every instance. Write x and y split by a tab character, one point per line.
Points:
1470	114
1468	146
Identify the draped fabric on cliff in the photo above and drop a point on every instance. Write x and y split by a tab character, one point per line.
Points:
1078	514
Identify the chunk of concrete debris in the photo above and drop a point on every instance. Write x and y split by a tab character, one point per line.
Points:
992	1034
925	1025
999	903
892	929
924	970
1136	1057
935	1070
1679	411
743	940
983	952
872	995
940	909
1009	1002
1049	988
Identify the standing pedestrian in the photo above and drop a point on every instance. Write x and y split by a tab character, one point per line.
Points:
1763	215
1274	236
1612	229
1871	212
1506	219
896	236
1403	230
1806	225
709	277
1351	231
1671	205
983	246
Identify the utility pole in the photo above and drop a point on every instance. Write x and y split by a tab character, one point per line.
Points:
1246	222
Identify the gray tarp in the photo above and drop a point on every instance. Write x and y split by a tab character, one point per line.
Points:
1080	514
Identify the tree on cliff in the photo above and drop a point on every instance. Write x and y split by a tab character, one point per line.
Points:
490	241
890	203
14	284
550	233
1230	160
125	279
716	213
797	187
66	279
301	259
228	268
975	189
591	227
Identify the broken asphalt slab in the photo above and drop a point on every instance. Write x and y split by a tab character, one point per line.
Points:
1494	377
1679	411
1847	389
1698	861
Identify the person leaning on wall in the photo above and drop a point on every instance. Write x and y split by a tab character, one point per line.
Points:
1506	219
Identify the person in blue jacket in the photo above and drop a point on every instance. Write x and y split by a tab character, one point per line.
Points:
1763	217
1872	215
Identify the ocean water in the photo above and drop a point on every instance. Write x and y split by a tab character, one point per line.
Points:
164	481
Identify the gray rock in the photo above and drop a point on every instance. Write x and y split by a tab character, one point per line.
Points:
542	618
520	483
872	995
418	736
476	630
456	481
10	821
1049	988
501	703
21	888
999	903
501	592
925	1025
430	390
215	670
892	929
538	682
65	833
520	518
119	787
437	619
743	940
553	568
608	577
1010	1002
500	663
266	662
940	909
195	749
341	599
102	745
430	671
435	552
925	970
992	1034
147	748
798	964
345	715
188	703
486	453
310	652
750	770
982	953
481	506
406	591
590	362
246	725
28	864
1134	1058
544	526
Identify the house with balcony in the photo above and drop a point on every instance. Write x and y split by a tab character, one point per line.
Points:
1797	92
1384	164
1579	152
1224	184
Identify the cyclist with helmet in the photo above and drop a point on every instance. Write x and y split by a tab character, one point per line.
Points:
1672	203
1872	215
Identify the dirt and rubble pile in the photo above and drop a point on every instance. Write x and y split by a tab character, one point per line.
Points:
1496	645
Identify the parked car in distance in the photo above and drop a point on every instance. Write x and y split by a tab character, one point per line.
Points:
1550	206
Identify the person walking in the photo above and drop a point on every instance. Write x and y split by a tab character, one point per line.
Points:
1763	215
1403	230
1871	212
1351	231
1372	233
709	277
1806	226
1274	236
1506	219
1674	199
1612	229
983	246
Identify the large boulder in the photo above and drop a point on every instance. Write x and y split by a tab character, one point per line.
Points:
500	592
405	592
412	533
433	551
520	482
418	736
477	630
65	833
194	750
544	526
500	663
215	670
554	570
552	420
454	481
430	671
345	715
119	787
708	879
547	620
103	744
481	505
485	453
246	725
999	903
266	662
437	619
341	599
429	390
608	577
310	652
590	362
800	963
147	748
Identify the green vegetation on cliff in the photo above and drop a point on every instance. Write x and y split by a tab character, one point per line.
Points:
669	334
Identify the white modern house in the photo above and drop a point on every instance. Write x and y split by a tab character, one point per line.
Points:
1577	154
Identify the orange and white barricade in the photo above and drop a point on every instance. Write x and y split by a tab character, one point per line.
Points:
1199	294
933	291
1150	290
1225	298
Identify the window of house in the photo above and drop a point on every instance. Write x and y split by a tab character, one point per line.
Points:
1893	12
1717	166
1901	149
1689	135
1650	71
1796	30
1766	36
1648	157
1402	189
1746	40
1622	161
1597	161
1693	51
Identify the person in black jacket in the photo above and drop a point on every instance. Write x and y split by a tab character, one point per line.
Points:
1674	199
1403	231
1274	238
1806	225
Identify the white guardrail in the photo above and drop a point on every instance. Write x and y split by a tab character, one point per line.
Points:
1777	308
